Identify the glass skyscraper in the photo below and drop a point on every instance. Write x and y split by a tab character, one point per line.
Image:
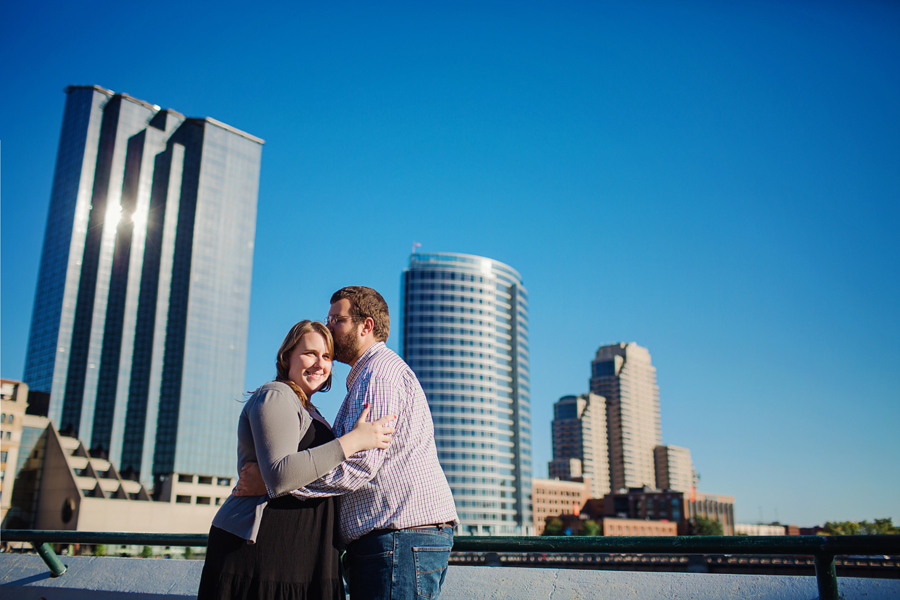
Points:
465	334
139	329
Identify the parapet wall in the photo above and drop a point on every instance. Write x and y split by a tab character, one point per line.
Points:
25	577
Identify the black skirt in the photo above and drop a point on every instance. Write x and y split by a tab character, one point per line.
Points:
295	556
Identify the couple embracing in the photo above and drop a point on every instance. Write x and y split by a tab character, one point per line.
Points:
374	488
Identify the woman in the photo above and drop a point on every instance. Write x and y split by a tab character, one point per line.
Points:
281	546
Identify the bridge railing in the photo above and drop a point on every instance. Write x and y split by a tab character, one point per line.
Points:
823	549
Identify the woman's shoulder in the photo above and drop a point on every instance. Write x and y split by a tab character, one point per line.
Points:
272	391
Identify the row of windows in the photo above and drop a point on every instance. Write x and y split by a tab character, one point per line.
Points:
444	275
501	425
452	408
463	462
483	480
204	480
424	374
455	364
419	336
431	351
445	433
4	418
443	385
204	500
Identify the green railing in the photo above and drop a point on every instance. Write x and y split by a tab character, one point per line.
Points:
823	549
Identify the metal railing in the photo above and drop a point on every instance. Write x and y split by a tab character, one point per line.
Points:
823	549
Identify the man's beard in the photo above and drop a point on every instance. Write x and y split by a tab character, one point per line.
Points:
346	348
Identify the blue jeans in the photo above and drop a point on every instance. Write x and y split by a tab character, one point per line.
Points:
409	564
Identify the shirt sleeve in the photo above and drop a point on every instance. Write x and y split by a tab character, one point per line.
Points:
384	398
276	435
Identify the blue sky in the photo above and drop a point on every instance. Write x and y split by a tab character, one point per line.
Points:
717	183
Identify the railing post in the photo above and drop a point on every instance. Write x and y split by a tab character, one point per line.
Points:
50	559
826	577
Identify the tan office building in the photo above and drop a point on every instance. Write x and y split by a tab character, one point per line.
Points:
674	468
554	497
623	374
13	401
713	506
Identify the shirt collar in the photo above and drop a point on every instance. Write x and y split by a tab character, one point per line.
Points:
363	360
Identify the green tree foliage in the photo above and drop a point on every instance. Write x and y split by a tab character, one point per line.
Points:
878	527
841	528
100	550
590	528
189	553
146	552
706	526
554	527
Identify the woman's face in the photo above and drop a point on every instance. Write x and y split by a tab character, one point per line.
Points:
310	363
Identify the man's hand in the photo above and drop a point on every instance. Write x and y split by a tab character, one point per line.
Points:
251	482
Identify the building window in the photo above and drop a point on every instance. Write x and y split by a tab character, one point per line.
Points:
183	499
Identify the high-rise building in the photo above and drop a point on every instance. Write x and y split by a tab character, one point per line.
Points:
140	318
623	374
579	442
465	334
674	468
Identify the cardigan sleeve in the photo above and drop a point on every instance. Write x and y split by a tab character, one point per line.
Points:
276	434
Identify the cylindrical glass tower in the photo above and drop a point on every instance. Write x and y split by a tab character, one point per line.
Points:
465	334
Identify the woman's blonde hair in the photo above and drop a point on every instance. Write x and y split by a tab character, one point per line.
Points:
283	359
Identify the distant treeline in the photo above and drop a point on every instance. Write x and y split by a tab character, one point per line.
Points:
877	527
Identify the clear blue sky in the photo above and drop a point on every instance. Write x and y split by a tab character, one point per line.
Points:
720	184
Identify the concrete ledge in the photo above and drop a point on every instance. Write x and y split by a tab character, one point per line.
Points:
25	577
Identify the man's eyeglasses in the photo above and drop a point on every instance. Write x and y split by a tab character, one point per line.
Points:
335	319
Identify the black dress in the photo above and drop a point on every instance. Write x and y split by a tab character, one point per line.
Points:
295	556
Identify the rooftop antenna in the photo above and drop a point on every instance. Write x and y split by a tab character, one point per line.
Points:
416	245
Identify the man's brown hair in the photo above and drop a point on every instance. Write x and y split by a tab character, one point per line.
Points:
364	303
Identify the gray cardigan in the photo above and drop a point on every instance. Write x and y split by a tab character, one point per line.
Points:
270	428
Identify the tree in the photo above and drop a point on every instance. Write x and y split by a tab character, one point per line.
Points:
100	550
841	528
878	527
554	527
706	526
189	553
590	528
146	552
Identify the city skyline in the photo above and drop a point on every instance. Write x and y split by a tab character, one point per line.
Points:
715	183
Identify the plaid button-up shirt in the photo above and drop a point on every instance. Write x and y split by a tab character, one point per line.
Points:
398	487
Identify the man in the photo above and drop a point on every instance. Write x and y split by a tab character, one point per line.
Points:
397	514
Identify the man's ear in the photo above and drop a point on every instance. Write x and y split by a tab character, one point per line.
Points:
368	326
